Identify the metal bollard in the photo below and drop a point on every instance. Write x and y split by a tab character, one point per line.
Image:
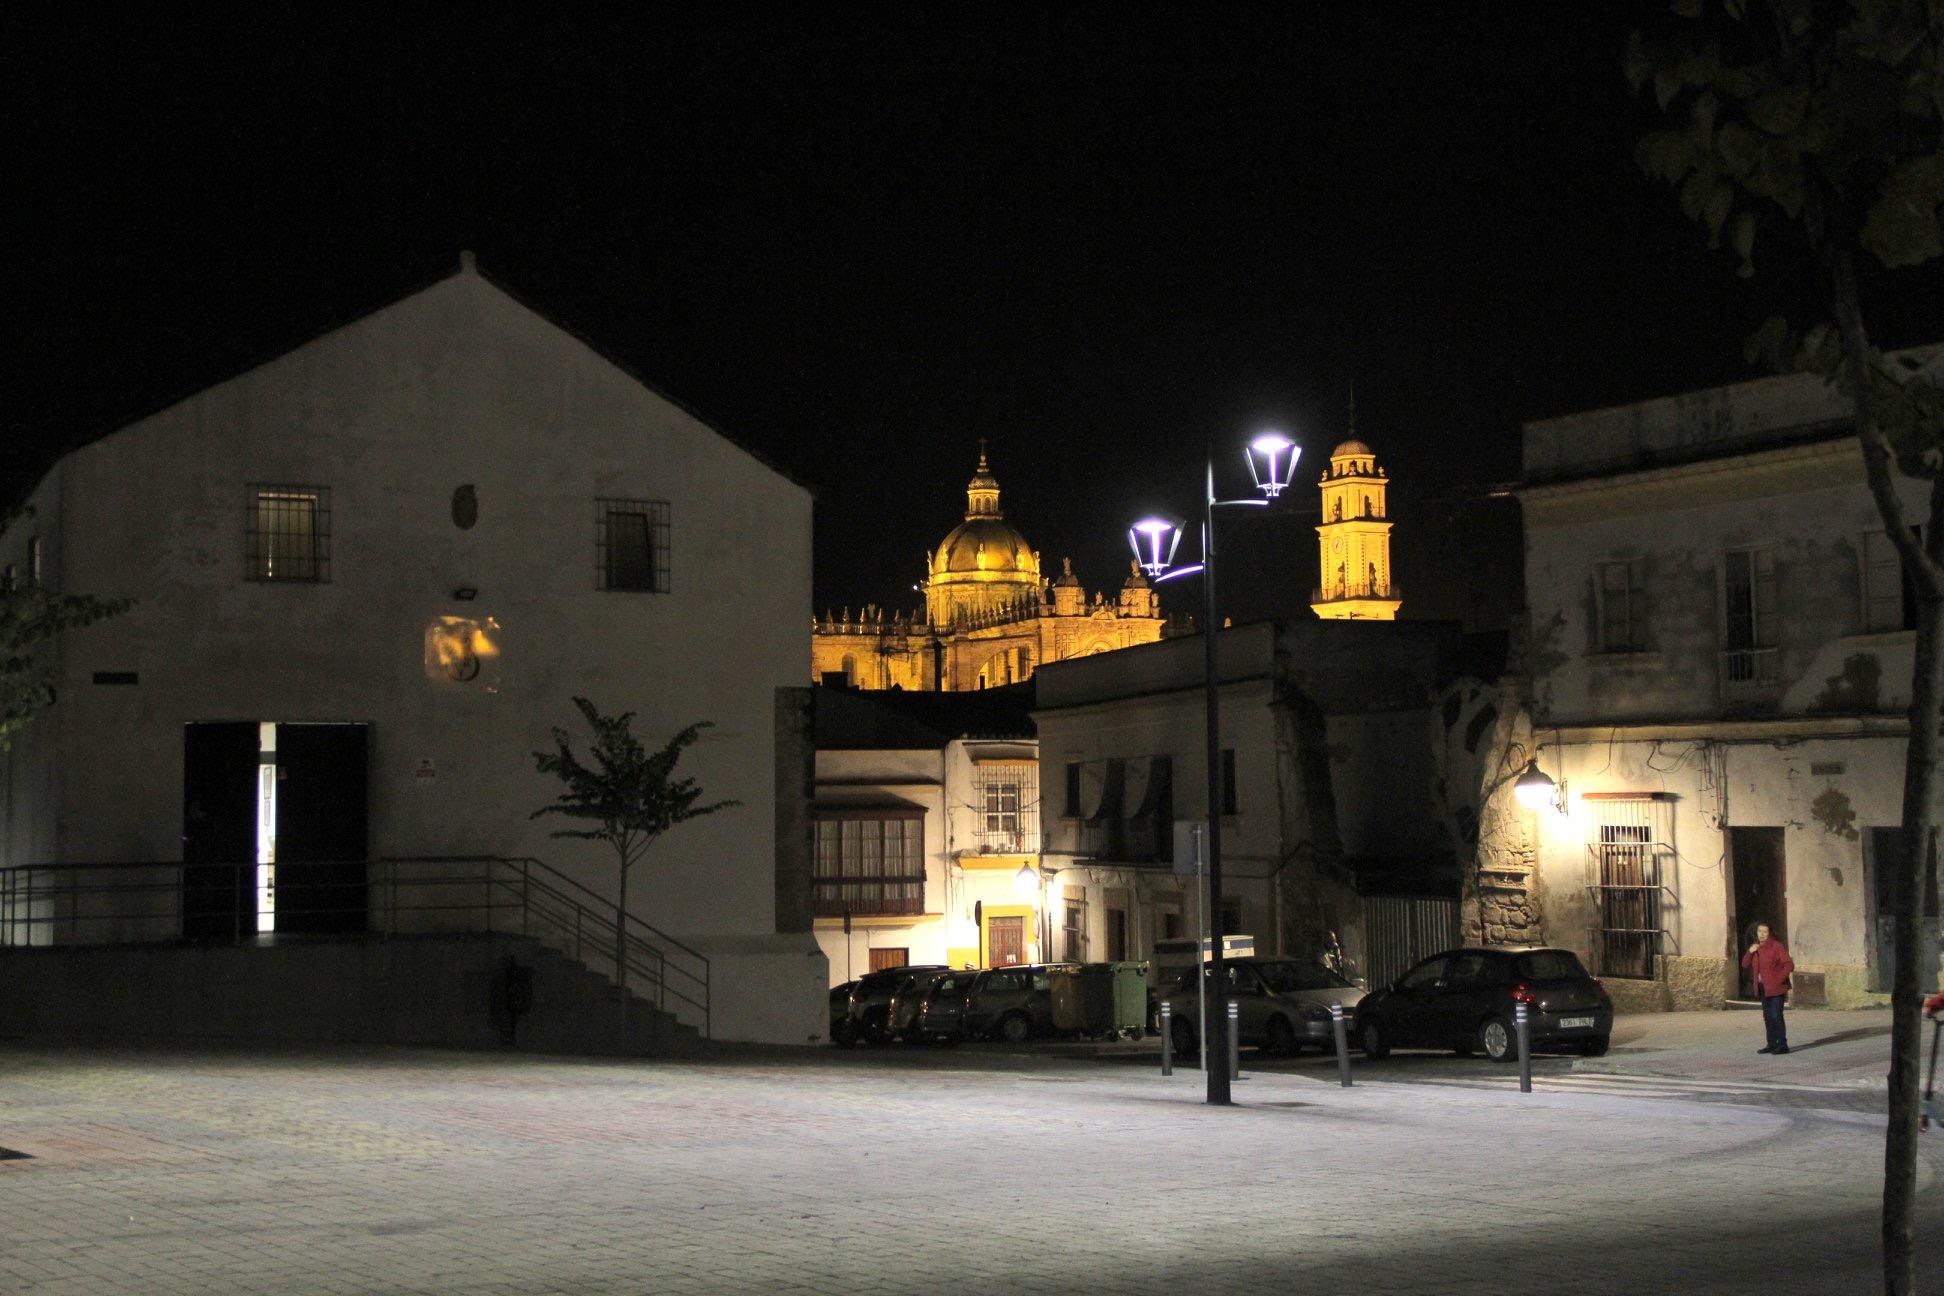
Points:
1524	1032
1167	1039
1235	1038
1342	1043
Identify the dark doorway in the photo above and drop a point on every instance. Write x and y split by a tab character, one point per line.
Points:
1116	935
1887	858
1760	880
321	827
219	786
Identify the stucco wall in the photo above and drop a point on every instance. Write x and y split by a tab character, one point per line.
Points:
457	385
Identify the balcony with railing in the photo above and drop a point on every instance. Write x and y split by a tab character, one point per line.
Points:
885	896
1748	673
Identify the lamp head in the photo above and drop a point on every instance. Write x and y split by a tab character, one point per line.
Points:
1026	880
1534	790
1153	540
1272	462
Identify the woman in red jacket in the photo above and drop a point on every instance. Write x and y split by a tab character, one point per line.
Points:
1771	967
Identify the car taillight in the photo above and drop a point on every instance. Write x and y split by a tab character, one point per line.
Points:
1600	986
1523	994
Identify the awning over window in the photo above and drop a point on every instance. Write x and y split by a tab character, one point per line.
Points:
878	806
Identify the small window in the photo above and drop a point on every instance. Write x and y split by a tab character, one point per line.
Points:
1889	599
290	533
1228	781
1620	596
632	545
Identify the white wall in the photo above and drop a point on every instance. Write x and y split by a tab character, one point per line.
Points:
456	385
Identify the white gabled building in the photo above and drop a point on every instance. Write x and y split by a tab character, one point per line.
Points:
380	566
1721	661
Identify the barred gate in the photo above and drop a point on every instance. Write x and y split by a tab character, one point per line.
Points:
1400	930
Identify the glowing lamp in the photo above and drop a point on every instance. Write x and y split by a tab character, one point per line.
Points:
1534	790
1027	881
1272	462
1153	540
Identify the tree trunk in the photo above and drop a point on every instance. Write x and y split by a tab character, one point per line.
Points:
1906	1023
621	935
1920	784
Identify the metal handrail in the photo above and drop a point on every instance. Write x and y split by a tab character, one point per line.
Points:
59	903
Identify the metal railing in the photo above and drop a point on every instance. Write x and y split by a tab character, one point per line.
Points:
1750	670
146	903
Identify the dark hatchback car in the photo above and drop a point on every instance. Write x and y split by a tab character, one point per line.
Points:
1011	1003
870	1001
1465	999
841	1031
941	1017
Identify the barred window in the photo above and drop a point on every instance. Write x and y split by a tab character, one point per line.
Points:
289	533
873	866
1006	799
631	545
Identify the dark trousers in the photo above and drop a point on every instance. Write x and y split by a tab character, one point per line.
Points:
1778	1034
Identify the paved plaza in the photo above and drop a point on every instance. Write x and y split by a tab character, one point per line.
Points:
941	1171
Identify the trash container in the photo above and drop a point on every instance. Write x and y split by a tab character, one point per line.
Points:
1068	1014
1130	998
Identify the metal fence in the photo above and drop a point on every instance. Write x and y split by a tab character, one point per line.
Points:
1400	930
151	903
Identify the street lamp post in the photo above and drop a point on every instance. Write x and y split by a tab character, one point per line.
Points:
1272	462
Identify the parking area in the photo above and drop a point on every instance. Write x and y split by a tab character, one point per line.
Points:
969	1170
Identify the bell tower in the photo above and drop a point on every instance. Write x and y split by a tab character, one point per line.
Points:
1353	540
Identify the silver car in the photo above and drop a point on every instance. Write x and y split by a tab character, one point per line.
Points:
1284	1003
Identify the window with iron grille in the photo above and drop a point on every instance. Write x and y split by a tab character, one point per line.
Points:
869	866
289	536
631	545
1006	798
1628	844
1620	592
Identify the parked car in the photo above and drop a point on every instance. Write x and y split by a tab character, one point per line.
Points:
941	1016
1464	1000
1284	1003
1011	1003
909	998
870	1000
841	1029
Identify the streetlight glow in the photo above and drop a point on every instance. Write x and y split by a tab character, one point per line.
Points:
1534	789
1272	462
1153	540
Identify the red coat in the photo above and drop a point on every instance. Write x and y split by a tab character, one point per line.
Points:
1772	965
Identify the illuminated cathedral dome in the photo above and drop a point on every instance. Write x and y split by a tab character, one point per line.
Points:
984	564
1349	448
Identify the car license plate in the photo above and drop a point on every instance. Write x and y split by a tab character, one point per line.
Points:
1568	1023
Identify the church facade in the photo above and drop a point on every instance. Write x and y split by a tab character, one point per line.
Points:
991	616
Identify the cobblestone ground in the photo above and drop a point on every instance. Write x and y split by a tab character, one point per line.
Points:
345	1172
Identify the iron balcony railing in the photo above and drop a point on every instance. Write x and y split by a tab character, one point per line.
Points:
1750	670
171	902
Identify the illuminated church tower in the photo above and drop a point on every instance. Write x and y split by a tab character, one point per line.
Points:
1354	537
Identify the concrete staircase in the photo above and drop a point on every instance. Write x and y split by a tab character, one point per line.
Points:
482	991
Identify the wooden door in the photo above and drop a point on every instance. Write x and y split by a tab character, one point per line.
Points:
889	958
1005	941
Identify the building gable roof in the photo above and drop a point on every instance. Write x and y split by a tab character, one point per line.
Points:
466	268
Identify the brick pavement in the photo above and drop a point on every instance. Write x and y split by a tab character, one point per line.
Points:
351	1172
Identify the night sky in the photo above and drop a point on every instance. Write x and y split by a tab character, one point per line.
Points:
860	239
